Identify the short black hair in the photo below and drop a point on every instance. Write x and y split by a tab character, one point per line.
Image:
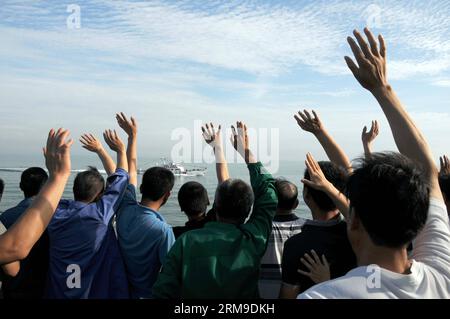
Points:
390	195
193	198
32	180
287	194
156	182
2	186
336	175
88	184
234	200
444	183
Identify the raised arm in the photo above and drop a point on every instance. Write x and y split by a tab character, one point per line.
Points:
115	144
371	74
130	127
214	139
117	183
11	269
319	182
240	141
368	138
17	242
266	200
92	144
314	125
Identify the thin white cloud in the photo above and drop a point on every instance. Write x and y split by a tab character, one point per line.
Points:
172	62
248	36
442	83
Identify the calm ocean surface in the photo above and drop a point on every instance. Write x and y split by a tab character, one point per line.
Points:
12	195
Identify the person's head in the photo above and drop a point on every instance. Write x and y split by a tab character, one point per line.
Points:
88	186
389	199
2	188
32	180
157	183
318	200
444	183
233	201
193	199
287	196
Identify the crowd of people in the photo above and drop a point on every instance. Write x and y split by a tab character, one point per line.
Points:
379	228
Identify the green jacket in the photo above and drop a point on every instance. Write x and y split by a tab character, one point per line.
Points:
222	260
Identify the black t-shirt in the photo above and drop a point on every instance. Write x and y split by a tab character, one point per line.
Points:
328	238
30	282
194	224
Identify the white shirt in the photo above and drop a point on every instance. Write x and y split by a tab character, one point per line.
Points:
430	269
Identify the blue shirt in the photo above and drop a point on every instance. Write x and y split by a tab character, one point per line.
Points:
82	238
144	239
9	216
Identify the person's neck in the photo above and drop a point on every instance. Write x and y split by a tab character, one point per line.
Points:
197	217
284	212
323	216
392	259
153	205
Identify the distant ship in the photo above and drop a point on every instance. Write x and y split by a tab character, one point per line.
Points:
175	168
178	169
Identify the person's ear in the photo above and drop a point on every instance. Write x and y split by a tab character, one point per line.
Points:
20	186
98	197
296	204
166	197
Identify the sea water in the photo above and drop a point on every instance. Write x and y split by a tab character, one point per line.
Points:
289	170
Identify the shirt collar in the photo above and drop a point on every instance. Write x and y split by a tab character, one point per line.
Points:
148	210
220	225
332	222
285	218
26	201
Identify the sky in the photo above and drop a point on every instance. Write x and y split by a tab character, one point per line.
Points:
176	64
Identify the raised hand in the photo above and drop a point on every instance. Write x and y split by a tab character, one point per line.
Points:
91	143
371	69
114	142
369	137
319	270
20	238
57	153
211	136
445	165
214	139
309	123
239	139
317	179
129	126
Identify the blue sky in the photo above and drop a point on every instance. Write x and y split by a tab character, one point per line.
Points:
171	63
